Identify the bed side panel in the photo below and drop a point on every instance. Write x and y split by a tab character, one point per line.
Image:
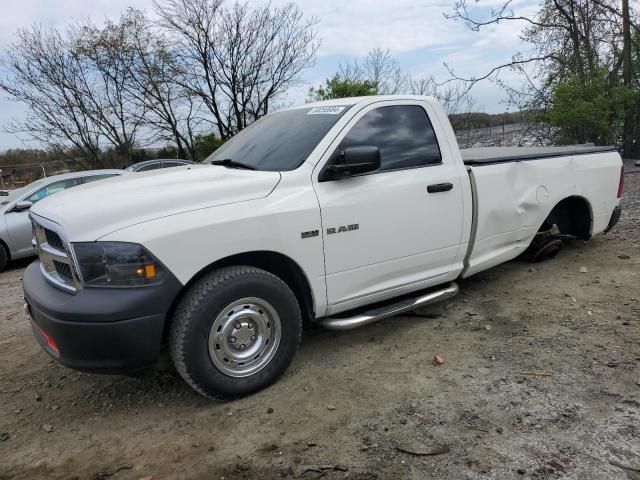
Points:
515	198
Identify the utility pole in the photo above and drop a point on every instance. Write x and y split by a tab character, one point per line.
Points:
627	143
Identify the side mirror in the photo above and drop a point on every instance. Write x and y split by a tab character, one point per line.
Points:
22	206
353	161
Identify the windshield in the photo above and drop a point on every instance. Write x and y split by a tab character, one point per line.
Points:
280	141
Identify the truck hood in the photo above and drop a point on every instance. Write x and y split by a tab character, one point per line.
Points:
89	212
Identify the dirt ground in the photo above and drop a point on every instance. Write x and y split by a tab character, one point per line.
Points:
540	380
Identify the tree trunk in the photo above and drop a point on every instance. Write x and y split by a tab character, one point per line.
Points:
627	141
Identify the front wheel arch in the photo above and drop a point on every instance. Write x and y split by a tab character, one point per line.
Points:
275	263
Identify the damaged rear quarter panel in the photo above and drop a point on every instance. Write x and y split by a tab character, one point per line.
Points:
514	199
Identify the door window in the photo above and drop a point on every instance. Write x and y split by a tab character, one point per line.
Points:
52	188
403	133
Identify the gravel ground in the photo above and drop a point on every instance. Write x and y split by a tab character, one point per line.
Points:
540	380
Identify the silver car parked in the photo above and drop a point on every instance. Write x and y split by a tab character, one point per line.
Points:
15	226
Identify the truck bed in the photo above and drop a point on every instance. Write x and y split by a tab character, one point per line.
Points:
479	156
515	189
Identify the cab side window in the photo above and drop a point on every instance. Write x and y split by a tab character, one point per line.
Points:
52	188
403	133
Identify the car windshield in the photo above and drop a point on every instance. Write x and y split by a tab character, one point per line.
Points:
280	141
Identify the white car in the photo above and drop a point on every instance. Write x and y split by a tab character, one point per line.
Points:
15	227
342	213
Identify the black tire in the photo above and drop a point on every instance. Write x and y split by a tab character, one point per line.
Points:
4	257
204	304
543	247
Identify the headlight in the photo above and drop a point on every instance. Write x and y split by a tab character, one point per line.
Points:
117	264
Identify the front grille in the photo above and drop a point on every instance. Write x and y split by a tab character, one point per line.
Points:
64	270
53	239
55	263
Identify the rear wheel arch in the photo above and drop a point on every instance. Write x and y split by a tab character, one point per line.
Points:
572	215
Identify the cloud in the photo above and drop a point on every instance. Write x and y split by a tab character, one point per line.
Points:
353	27
56	13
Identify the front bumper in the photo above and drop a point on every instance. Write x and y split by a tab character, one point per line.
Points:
107	330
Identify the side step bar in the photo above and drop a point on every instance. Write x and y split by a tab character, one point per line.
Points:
406	305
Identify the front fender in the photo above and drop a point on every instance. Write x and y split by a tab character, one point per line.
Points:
188	242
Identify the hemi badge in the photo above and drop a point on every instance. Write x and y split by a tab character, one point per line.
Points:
310	233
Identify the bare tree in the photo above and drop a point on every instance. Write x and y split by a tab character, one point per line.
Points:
238	59
453	98
106	57
630	146
93	88
570	39
44	75
382	71
170	113
75	86
379	68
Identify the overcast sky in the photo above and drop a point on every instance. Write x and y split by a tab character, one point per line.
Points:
415	31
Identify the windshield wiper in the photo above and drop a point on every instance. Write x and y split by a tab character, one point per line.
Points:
227	162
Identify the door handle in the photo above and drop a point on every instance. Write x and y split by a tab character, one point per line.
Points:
439	187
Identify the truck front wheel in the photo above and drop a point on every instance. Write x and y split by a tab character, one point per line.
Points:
235	331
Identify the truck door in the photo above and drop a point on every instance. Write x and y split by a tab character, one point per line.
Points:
397	229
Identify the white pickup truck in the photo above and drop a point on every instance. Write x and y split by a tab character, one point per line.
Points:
341	212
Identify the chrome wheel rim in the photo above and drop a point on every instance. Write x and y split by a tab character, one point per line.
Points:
244	337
